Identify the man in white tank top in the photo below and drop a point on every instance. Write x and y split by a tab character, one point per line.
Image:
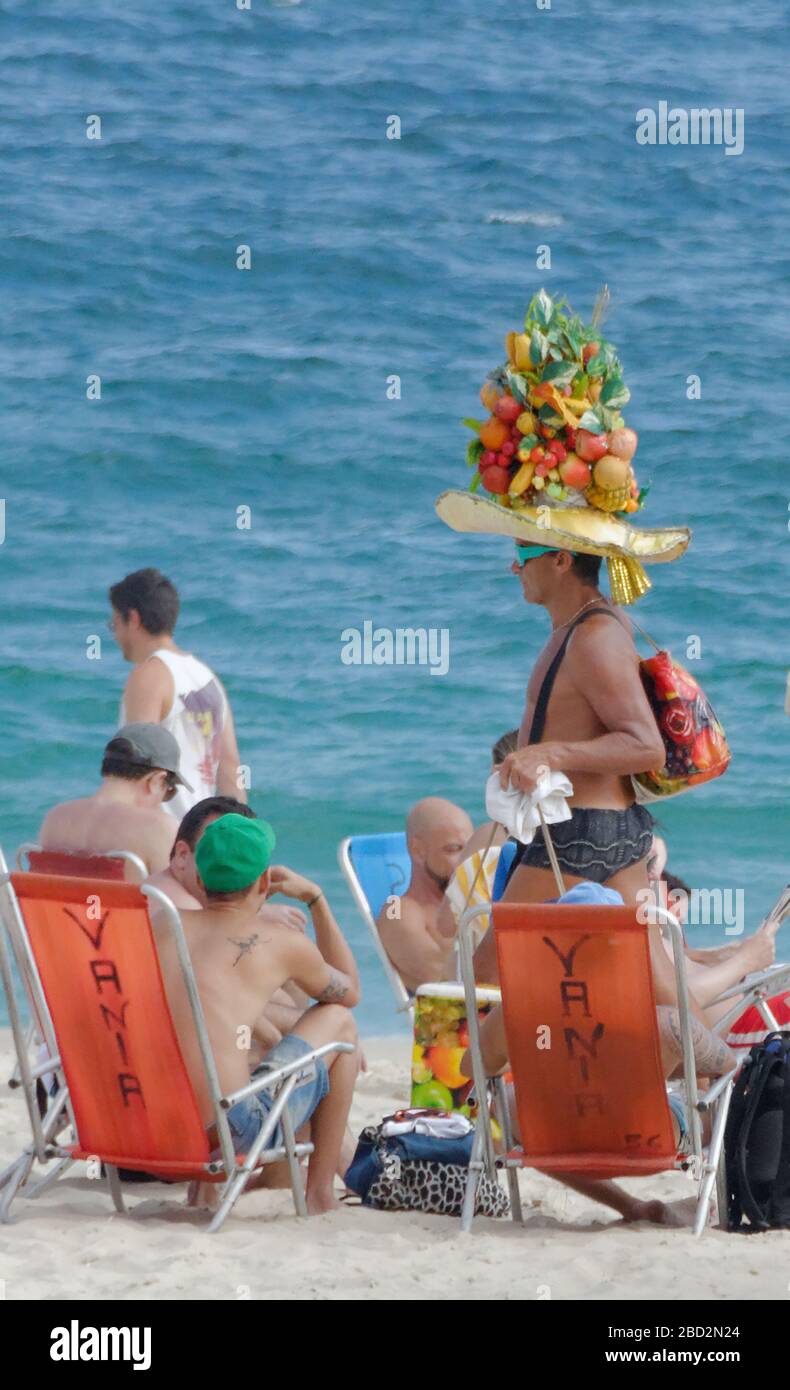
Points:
171	687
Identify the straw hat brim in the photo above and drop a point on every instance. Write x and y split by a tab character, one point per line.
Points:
583	529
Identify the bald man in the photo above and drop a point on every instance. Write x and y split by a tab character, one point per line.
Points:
436	833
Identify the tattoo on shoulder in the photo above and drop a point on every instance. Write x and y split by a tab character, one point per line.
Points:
336	990
244	945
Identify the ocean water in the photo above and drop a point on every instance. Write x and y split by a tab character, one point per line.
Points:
371	257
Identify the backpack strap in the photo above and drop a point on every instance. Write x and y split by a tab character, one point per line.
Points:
779	1207
542	702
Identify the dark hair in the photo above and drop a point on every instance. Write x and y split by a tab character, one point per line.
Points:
504	745
587	568
676	885
197	815
153	596
133	772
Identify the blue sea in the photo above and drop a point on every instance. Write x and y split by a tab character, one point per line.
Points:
267	388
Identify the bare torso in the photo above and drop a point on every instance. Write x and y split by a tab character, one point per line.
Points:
238	967
95	825
413	942
570	717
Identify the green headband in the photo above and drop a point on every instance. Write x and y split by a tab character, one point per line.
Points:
530	552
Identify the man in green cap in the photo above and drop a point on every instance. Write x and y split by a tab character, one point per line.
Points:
239	963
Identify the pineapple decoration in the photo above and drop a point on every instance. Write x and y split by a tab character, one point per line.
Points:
555	434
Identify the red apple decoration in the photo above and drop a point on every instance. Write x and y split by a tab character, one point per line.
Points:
507	409
575	473
496	479
623	443
591	447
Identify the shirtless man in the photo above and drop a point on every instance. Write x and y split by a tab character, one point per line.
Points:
238	965
139	772
180	882
436	833
598	729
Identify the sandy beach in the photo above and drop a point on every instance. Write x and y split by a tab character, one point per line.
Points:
70	1243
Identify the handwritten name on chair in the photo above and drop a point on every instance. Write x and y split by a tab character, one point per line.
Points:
106	977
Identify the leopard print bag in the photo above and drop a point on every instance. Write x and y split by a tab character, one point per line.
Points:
418	1184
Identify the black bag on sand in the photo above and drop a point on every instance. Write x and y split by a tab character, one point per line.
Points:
757	1140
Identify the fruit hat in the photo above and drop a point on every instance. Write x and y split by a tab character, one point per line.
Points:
555	457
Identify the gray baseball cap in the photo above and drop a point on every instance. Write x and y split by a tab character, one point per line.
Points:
147	745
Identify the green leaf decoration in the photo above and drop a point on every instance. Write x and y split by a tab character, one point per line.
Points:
597	365
561	373
538	347
591	421
473	451
580	384
471	424
615	393
548	415
518	386
475	483
528	442
543	308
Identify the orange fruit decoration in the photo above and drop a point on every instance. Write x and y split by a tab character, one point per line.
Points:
494	433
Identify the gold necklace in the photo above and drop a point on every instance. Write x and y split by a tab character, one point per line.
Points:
598	599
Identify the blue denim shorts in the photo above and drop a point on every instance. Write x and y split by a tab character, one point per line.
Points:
247	1117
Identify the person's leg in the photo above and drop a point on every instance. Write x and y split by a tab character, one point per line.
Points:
322	1024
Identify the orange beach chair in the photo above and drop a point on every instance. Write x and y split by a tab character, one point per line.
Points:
582	1034
86	954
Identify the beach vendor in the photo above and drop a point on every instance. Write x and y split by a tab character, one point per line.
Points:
555	464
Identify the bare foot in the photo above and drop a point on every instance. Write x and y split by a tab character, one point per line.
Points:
319	1202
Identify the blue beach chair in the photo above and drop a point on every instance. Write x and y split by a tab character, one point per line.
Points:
377	867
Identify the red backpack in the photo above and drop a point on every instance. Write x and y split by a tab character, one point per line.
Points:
695	745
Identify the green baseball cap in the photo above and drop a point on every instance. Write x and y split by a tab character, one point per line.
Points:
232	852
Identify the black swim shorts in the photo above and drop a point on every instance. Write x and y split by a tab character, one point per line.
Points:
593	844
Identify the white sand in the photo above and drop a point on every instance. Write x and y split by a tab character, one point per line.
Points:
70	1243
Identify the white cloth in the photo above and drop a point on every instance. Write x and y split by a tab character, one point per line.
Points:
518	811
196	720
438	1126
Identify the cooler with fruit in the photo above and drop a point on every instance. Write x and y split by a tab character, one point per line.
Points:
441	1038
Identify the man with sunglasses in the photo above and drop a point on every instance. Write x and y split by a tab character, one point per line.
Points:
139	772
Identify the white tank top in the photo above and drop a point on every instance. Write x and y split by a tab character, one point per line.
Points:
196	719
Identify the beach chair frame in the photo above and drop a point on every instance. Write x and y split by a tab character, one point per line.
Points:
233	1172
704	1161
122	856
403	998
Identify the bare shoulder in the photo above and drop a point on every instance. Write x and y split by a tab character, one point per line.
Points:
58	819
603	632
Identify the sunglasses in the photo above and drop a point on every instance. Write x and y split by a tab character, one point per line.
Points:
531	552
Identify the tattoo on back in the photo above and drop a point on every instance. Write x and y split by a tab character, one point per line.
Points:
246	944
336	990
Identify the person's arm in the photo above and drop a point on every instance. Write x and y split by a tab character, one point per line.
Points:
149	693
319	980
229	760
601	663
417	955
329	938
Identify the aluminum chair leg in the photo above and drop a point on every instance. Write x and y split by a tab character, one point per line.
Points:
475	1168
49	1179
712	1161
503	1116
12	1181
114	1184
238	1179
297	1184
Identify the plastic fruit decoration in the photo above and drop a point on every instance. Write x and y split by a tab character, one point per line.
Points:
555	404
